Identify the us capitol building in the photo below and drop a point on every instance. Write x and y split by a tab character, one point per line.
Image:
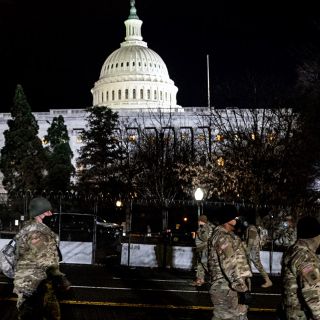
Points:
134	81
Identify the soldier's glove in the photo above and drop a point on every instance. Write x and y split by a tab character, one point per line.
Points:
61	283
59	280
245	298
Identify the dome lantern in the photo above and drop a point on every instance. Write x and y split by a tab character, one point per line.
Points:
133	10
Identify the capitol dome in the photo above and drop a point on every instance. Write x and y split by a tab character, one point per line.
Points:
135	77
135	60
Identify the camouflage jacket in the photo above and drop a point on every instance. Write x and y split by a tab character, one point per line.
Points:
228	260
36	252
285	236
202	236
301	282
252	238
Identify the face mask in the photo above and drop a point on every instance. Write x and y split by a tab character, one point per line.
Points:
241	223
47	220
238	223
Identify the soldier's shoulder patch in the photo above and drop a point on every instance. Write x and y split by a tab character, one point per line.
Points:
311	274
225	247
307	268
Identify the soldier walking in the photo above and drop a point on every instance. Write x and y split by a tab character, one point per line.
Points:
204	232
229	269
301	273
252	243
37	270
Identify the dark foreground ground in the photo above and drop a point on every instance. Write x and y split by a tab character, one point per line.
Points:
122	293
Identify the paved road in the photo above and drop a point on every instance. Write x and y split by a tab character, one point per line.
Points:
121	293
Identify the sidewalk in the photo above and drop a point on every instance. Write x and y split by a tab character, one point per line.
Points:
103	272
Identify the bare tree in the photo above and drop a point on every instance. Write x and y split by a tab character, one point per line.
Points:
253	157
154	148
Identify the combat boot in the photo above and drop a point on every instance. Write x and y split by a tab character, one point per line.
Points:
197	283
267	284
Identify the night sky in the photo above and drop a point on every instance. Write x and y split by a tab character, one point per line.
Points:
56	49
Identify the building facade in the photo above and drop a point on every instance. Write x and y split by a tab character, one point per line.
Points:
134	82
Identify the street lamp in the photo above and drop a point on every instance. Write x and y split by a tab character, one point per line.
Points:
198	195
118	203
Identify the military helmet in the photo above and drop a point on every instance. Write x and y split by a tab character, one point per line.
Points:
203	218
38	206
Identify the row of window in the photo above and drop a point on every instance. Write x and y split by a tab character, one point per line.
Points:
133	64
134	137
143	94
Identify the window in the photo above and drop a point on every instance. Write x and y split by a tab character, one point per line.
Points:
134	94
119	94
132	138
220	162
126	94
148	94
155	95
78	133
141	93
79	138
112	94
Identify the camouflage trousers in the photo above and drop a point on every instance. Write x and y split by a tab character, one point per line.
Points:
202	265
43	304
225	302
296	315
255	258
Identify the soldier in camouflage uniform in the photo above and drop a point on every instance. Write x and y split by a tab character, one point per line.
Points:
252	243
286	233
301	273
229	269
203	233
37	269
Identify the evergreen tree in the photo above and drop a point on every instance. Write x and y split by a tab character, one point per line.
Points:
101	154
60	168
23	159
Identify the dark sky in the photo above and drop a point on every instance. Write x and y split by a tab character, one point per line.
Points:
56	49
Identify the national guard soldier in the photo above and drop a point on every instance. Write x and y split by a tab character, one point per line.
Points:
253	247
301	273
37	270
229	269
204	232
286	233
